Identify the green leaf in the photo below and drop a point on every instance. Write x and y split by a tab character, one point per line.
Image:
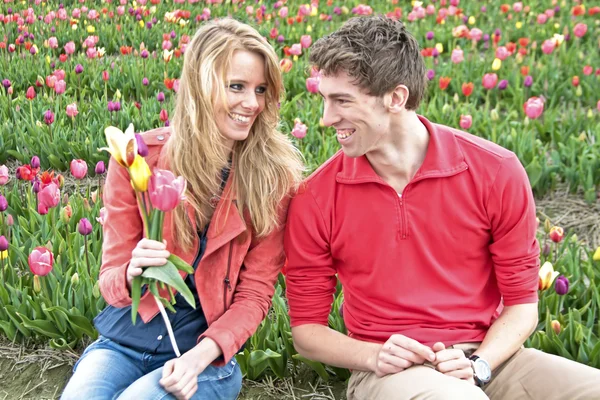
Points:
43	327
534	172
136	294
169	275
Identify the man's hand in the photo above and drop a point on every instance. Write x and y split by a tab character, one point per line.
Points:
400	353
453	362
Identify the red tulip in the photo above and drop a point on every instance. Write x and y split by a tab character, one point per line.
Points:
164	115
166	190
556	234
41	261
30	93
534	107
79	169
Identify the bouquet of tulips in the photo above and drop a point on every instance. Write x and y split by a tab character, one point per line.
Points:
157	192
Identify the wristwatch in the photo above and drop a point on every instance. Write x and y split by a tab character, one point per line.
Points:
482	373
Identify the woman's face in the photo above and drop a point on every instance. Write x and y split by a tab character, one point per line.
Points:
246	89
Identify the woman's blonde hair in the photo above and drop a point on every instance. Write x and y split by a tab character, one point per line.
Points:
267	166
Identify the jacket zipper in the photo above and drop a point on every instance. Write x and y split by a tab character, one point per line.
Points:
226	282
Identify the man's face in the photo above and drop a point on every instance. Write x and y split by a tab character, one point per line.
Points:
360	120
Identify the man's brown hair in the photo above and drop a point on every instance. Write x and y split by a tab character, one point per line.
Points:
378	52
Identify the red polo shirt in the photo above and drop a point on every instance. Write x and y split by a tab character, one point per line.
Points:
432	263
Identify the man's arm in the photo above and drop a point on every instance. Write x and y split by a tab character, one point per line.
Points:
320	343
508	333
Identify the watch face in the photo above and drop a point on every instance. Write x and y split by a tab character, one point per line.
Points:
482	370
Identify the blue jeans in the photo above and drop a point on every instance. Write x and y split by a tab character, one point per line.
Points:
107	370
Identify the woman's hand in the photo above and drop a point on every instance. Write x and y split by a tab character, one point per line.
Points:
147	253
180	375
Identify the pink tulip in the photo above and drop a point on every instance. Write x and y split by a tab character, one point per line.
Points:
4	176
299	130
62	14
489	81
518	6
60	74
296	49
79	169
53	42
548	46
502	53
457	56
542	18
72	110
41	261
76	13
465	121
580	29
166	190
312	85
102	218
305	41
283	12
476	34
70	47
48	197
534	107
60	87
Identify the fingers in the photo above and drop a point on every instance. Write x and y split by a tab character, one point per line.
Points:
148	253
439	346
454	365
167	370
413	346
152	244
394	360
188	391
449	354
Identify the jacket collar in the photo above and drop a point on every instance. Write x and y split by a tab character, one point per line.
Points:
443	158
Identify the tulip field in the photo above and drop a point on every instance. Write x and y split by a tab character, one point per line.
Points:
525	75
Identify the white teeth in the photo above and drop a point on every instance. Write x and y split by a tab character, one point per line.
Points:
239	118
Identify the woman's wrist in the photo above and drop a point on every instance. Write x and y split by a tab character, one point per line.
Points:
206	351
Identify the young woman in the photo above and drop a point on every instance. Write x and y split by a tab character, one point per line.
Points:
240	172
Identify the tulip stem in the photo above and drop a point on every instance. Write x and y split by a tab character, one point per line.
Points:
163	313
87	257
142	206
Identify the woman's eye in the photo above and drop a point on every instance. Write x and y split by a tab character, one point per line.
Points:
236	86
261	90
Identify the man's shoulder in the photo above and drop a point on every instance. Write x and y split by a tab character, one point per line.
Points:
326	173
472	145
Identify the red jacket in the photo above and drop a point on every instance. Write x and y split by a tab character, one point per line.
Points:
432	263
236	276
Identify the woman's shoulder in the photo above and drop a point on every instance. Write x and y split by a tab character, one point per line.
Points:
156	137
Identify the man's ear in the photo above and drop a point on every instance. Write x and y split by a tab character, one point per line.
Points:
398	98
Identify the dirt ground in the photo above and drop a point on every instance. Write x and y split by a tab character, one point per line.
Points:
39	374
28	373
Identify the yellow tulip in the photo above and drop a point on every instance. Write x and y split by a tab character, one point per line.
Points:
547	276
91	29
439	47
140	174
555	326
471	20
122	146
597	254
496	64
3	254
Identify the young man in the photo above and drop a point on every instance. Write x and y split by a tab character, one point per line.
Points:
429	229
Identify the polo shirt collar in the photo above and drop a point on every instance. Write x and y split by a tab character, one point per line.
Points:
444	158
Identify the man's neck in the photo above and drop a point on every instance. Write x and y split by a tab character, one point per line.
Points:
398	160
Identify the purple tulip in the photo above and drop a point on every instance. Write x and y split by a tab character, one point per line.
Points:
149	25
145	82
486	37
110	106
141	145
280	38
144	53
78	69
430	74
6	83
48	117
528	81
561	286
483	9
160	97
3	203
3	243
35	162
173	35
37	186
100	168
84	227
429	35
503	84
32	50
116	106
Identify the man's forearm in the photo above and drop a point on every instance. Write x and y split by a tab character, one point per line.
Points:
320	343
508	333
